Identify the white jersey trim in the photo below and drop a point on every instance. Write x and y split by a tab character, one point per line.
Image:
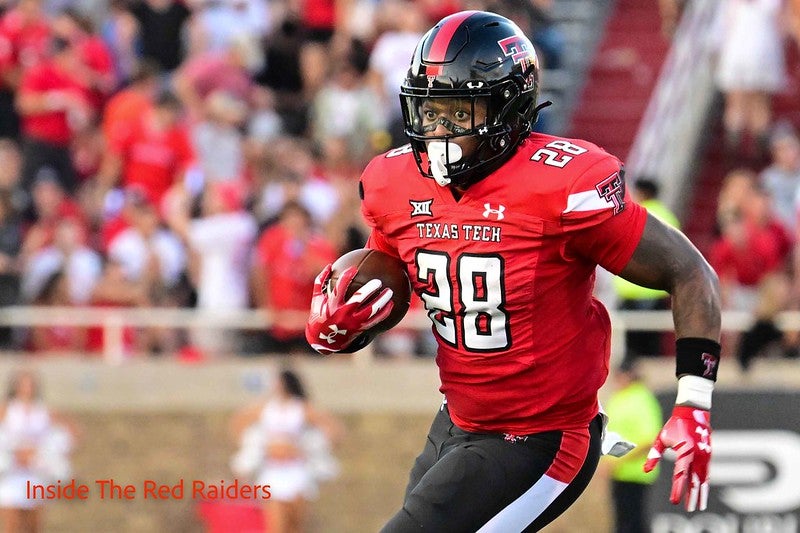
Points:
586	201
520	513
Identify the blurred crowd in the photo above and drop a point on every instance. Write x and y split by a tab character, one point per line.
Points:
755	253
205	154
757	209
196	153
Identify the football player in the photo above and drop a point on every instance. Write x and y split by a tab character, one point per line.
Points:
501	230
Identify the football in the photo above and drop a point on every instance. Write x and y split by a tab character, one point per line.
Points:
374	264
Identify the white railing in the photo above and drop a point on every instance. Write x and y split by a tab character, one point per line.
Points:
114	322
673	123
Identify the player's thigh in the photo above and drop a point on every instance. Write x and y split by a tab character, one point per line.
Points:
437	435
476	480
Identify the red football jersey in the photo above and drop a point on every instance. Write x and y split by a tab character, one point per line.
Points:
506	274
153	159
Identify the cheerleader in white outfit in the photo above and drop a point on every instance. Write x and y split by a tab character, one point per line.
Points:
33	448
286	445
751	66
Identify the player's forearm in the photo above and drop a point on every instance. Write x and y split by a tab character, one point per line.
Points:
696	303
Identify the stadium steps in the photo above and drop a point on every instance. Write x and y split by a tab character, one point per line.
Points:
700	224
581	23
621	77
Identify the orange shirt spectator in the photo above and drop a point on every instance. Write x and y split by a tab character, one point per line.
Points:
155	153
126	106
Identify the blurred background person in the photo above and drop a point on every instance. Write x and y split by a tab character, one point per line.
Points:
214	25
217	137
751	260
24	42
751	68
54	103
285	442
403	24
119	30
288	255
160	29
10	245
55	338
346	108
289	171
35	444
781	178
229	70
68	252
154	259
220	243
635	414
97	62
154	153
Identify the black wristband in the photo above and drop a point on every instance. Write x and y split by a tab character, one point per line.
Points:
697	357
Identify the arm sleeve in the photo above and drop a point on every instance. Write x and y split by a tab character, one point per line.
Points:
377	239
601	220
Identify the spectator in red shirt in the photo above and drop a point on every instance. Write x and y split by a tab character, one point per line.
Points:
120	116
228	71
54	105
152	154
288	256
24	39
98	72
750	259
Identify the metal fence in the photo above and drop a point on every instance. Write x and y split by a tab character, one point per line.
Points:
115	321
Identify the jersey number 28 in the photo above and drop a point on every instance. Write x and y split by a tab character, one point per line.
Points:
480	320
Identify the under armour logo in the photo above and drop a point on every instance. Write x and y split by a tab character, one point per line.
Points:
431	79
331	337
704	443
483	130
710	362
496	212
421	207
474	84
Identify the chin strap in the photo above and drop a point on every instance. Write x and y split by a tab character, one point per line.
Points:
538	108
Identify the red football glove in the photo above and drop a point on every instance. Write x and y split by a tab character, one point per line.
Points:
334	323
688	432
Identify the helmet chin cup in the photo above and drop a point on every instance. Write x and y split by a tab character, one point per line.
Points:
441	154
